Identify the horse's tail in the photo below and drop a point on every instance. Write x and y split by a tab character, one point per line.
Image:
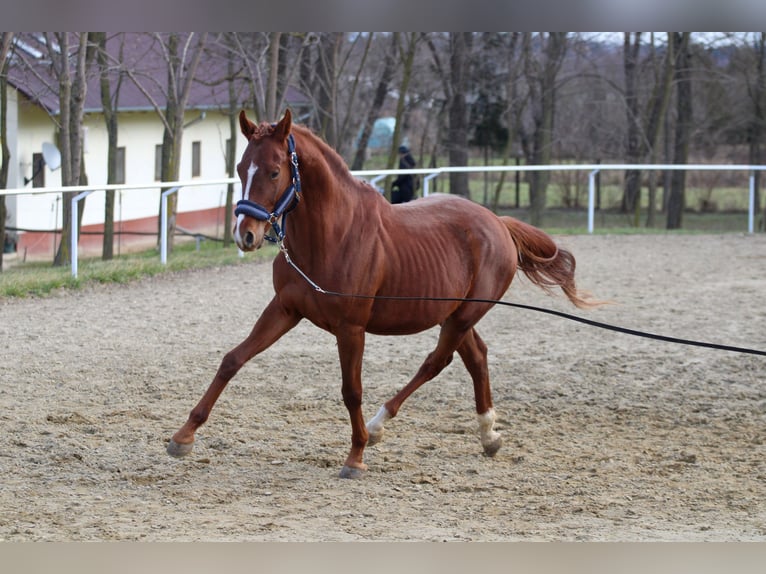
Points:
544	263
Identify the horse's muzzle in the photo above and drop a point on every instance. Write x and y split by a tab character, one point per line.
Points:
249	235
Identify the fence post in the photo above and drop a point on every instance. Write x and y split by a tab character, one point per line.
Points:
426	179
73	230
591	198
751	204
164	223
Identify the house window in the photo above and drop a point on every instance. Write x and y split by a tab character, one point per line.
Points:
119	173
158	163
229	151
38	170
196	151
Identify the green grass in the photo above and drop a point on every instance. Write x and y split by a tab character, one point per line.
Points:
718	192
575	221
38	279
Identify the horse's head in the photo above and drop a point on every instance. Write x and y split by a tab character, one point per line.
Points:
270	184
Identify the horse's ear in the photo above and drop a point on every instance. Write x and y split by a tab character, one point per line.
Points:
282	129
247	127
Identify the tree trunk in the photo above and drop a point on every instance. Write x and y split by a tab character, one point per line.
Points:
231	160
5	152
756	127
110	119
633	148
171	140
409	59
457	137
327	77
72	90
676	198
180	77
541	77
271	88
514	118
658	105
377	103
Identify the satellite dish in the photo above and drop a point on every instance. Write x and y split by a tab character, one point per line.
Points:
52	156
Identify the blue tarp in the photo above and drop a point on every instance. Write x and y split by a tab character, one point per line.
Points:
382	132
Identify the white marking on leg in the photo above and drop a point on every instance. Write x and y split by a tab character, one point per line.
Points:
375	425
489	436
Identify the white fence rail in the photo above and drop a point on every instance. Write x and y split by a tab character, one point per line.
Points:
374	176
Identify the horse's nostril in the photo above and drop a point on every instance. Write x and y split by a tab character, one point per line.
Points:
249	239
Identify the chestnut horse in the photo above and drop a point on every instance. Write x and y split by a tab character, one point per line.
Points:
341	233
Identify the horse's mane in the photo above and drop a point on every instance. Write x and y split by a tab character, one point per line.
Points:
329	153
334	163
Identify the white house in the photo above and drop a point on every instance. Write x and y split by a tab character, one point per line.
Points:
32	108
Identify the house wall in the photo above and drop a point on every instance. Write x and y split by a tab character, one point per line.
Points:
12	121
33	128
139	132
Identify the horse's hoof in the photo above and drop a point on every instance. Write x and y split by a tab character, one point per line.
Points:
491	448
373	439
179	450
351	472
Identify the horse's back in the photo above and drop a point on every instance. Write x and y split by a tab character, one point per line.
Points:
441	246
437	217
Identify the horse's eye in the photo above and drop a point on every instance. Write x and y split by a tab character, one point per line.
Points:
275	174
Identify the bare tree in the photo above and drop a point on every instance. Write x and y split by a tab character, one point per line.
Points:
181	69
657	106
231	145
407	55
457	137
69	54
327	85
5	153
633	151
381	91
273	71
643	123
541	69
110	95
181	54
513	120
756	129
684	106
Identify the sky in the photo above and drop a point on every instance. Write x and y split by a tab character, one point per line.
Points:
384	15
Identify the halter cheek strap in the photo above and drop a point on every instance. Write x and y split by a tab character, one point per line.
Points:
284	205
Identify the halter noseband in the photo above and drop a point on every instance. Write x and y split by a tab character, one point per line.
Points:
284	205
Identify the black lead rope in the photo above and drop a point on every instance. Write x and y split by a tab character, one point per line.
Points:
565	316
293	193
590	322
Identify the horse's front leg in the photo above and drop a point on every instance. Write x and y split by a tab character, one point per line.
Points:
274	322
351	351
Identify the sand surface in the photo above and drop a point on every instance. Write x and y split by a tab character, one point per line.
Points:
607	436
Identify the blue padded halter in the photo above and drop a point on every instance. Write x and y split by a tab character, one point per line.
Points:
284	205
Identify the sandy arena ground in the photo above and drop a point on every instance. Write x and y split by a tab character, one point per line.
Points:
607	437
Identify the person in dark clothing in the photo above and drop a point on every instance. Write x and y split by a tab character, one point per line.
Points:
403	187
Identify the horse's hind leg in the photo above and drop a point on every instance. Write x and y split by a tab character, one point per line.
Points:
449	340
274	322
473	351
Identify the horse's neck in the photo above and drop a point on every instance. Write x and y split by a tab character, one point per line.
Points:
329	199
